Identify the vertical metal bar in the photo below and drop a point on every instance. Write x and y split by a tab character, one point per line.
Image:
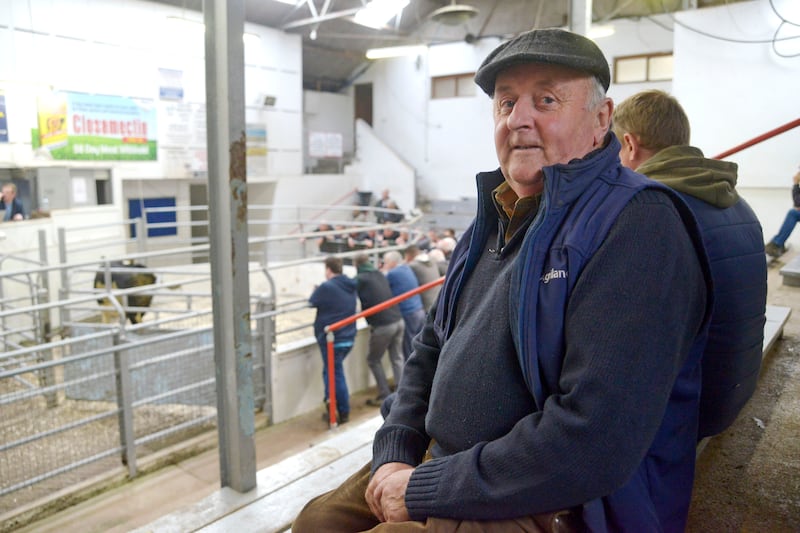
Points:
580	16
331	381
48	375
141	235
125	403
266	331
227	186
63	291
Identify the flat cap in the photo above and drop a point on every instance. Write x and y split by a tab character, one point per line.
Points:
554	46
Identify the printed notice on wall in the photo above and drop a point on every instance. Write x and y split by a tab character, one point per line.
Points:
3	119
182	130
256	149
324	144
79	192
170	84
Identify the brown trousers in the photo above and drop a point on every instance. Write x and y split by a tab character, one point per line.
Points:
345	510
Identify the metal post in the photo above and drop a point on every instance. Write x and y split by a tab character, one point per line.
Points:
141	235
266	331
227	187
48	376
580	16
63	291
331	381
125	403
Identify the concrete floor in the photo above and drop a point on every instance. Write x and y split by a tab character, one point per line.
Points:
169	489
748	478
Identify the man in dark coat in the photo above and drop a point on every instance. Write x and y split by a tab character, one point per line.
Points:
654	132
335	300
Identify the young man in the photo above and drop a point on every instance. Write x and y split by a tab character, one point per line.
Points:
559	370
335	300
654	131
776	247
386	328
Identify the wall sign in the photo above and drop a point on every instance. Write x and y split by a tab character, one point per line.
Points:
78	126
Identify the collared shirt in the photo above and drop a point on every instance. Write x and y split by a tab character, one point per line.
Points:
513	209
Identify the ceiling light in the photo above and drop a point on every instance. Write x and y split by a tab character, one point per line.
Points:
596	31
378	12
290	2
395	51
454	14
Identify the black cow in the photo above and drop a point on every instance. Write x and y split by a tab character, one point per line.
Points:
126	280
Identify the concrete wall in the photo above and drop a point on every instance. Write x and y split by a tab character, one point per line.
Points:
732	92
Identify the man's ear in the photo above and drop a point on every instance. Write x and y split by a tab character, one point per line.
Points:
632	147
604	113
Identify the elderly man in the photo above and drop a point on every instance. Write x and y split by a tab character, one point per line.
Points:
654	131
401	280
559	372
10	207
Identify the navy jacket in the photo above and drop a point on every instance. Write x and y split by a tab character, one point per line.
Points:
734	242
580	205
335	300
16	209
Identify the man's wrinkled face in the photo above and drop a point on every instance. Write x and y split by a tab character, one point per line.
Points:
542	117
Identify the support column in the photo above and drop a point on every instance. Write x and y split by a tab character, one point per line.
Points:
227	187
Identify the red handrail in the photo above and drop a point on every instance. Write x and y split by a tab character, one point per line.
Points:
760	138
330	329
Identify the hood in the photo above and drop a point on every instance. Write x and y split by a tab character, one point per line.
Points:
366	267
345	283
424	259
684	169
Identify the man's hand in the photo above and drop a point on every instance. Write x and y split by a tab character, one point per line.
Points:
386	492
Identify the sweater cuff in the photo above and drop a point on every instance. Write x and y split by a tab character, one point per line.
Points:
398	444
423	487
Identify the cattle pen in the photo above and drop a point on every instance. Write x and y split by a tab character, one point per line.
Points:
87	395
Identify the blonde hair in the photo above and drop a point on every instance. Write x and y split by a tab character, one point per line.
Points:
655	118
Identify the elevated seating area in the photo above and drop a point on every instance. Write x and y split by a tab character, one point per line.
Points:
285	487
282	489
790	272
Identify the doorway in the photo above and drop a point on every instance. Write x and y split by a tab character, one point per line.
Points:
363	104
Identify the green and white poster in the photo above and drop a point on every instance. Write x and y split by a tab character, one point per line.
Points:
78	126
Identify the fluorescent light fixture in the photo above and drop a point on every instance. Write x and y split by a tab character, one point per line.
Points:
378	12
396	51
250	38
597	31
290	2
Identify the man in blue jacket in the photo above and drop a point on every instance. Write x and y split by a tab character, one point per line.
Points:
10	206
654	132
558	377
401	280
335	300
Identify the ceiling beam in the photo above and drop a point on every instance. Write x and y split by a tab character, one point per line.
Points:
580	16
321	18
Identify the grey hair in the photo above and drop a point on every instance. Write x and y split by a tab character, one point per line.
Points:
596	93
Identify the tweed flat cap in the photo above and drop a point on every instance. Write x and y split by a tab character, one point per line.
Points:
554	46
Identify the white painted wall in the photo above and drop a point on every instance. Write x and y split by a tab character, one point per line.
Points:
733	92
117	48
377	167
329	113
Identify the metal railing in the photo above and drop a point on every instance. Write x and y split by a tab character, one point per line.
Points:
81	397
331	329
